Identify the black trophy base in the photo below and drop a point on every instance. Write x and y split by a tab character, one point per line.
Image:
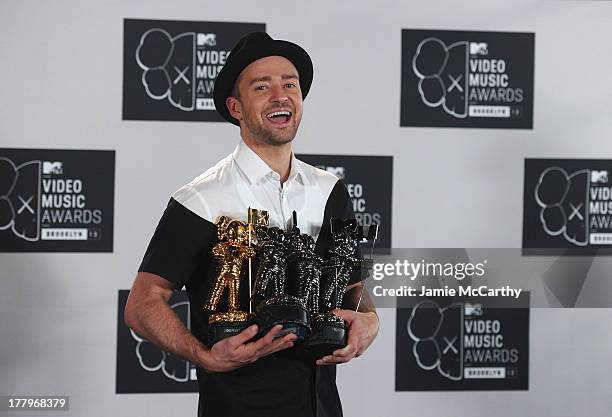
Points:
328	334
224	329
289	311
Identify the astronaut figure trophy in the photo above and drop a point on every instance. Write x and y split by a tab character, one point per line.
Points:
275	304
328	330
233	248
306	265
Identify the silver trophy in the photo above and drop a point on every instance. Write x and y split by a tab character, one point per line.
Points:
273	294
328	330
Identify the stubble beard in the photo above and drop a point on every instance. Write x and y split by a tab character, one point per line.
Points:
264	134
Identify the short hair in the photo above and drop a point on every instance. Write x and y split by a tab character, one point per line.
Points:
235	89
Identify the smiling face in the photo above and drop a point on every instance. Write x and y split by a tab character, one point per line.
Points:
269	102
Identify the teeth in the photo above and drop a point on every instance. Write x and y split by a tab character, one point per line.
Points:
279	113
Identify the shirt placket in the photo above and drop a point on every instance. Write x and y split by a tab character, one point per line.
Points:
280	196
284	206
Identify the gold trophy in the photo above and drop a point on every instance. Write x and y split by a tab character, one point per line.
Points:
234	247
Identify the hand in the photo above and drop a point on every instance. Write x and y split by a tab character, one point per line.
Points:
236	351
362	329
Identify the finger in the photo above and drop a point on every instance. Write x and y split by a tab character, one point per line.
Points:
324	360
243	337
348	350
347	315
266	340
341	355
279	344
333	360
354	339
285	332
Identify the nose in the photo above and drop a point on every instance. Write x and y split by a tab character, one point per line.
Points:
278	94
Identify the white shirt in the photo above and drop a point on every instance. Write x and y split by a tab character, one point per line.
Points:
243	180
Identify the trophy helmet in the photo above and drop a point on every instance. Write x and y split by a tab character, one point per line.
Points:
276	234
308	241
237	232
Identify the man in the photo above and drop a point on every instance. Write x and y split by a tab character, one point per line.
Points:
260	89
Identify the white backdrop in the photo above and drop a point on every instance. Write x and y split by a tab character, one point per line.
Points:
61	87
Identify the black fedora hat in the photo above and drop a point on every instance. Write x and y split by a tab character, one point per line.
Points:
251	47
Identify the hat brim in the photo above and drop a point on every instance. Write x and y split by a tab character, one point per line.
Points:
226	79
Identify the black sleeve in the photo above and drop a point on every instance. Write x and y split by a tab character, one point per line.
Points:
339	206
181	240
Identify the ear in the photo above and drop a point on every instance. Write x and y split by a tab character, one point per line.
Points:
234	107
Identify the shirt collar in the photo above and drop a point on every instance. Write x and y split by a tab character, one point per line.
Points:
296	170
256	168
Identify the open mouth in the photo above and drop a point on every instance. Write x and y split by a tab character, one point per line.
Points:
279	117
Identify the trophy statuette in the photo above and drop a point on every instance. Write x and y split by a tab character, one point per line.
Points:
274	284
328	330
293	286
230	253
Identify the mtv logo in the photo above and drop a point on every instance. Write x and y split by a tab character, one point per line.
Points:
599	176
337	171
479	48
206	39
473	309
52	167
